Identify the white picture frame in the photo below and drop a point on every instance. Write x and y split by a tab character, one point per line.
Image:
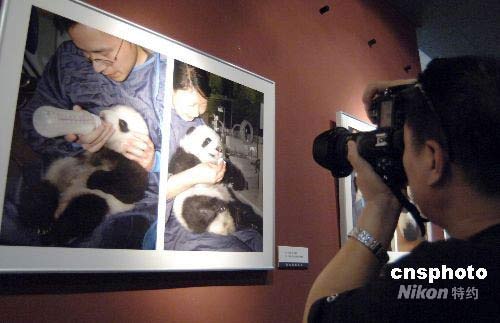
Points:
14	21
347	218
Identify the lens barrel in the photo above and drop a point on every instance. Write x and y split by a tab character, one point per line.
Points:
330	151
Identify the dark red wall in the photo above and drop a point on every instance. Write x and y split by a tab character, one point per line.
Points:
320	64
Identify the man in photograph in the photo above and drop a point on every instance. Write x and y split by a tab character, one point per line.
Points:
93	71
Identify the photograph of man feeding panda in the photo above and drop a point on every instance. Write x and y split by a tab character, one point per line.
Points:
85	167
84	163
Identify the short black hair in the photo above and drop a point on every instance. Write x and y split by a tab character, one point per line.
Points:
63	24
463	116
190	77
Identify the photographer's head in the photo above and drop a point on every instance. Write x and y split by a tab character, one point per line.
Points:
463	116
452	132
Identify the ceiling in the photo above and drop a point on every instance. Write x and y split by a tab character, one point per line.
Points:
454	27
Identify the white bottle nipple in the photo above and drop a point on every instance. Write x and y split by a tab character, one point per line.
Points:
53	122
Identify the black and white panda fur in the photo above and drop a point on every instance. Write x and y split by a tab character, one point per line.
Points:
77	193
210	207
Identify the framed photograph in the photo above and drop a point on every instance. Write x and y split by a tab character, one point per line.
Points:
350	198
124	150
407	235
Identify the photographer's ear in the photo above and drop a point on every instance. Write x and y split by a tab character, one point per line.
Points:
435	160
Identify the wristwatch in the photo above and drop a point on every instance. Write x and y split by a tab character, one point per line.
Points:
368	241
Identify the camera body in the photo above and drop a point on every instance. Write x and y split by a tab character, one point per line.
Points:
382	148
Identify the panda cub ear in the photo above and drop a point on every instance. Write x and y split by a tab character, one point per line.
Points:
190	130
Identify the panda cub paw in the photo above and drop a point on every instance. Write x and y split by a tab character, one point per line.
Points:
207	214
82	215
39	204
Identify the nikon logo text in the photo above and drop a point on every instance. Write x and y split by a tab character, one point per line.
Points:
417	292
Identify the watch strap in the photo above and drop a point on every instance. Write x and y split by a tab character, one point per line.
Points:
369	241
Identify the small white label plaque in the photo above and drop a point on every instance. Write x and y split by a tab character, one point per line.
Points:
293	257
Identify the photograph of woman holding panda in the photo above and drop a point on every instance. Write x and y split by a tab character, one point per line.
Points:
202	212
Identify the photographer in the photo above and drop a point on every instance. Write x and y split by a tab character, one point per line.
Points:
451	160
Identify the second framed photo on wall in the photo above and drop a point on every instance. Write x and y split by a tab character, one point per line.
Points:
216	124
350	198
126	150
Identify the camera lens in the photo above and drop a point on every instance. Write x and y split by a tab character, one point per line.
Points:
330	151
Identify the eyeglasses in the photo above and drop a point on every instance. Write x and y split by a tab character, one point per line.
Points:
104	61
430	105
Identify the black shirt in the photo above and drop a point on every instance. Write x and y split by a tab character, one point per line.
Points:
407	300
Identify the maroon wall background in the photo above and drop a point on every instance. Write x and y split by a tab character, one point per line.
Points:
320	64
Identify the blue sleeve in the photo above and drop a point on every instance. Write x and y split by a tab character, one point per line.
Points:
50	91
156	164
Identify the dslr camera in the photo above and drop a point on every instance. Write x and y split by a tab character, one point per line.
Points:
382	148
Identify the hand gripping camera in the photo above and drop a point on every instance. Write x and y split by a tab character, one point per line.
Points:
382	148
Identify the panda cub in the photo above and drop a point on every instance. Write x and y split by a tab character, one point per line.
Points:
210	207
77	193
